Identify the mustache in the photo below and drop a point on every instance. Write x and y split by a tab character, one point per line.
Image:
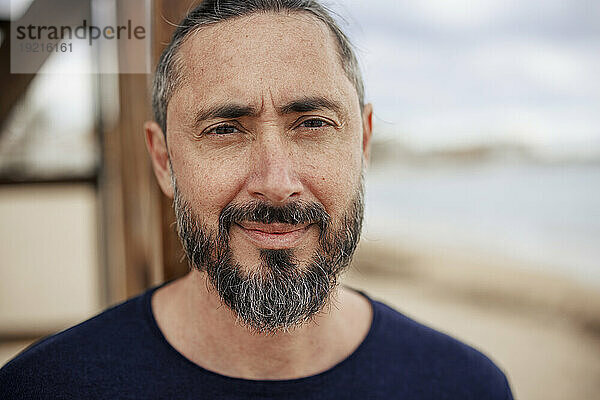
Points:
294	213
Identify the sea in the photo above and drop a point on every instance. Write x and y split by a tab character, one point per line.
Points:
544	215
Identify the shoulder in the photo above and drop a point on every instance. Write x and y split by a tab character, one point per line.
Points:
439	362
79	354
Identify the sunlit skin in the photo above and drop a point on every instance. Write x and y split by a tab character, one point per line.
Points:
266	113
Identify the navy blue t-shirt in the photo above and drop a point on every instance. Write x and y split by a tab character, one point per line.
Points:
122	354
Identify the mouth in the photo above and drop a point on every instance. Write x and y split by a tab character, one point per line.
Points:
273	236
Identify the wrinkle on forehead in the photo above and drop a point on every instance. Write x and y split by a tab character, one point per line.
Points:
240	25
278	45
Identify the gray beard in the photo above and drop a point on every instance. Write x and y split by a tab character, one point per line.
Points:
279	294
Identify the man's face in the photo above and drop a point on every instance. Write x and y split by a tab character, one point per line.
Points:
266	142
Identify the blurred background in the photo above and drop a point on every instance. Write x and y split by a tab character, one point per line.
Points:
483	196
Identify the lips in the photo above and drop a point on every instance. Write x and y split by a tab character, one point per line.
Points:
273	236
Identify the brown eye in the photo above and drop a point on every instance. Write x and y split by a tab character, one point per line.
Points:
223	130
314	123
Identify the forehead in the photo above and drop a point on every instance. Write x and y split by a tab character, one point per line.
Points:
278	55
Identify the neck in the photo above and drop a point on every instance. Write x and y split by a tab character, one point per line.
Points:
196	323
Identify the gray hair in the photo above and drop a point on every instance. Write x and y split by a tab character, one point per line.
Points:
168	72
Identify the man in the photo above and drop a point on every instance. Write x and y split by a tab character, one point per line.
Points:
261	138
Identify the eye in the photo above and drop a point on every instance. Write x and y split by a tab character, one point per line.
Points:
314	123
224	129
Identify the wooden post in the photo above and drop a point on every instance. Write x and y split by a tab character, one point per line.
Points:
140	243
130	199
166	15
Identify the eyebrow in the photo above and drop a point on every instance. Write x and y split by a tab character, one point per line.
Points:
225	111
233	111
315	103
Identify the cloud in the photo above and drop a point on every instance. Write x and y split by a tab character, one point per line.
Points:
451	71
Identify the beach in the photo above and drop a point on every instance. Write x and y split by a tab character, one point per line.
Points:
542	330
503	259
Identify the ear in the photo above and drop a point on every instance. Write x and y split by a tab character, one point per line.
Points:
157	148
367	122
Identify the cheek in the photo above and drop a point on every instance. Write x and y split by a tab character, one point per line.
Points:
208	181
333	173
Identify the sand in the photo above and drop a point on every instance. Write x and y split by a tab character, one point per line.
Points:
542	330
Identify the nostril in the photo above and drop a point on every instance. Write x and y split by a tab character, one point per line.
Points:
275	191
274	178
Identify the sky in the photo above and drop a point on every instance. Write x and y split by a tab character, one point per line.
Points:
450	73
456	72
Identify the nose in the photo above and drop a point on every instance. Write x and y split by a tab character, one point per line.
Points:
274	177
